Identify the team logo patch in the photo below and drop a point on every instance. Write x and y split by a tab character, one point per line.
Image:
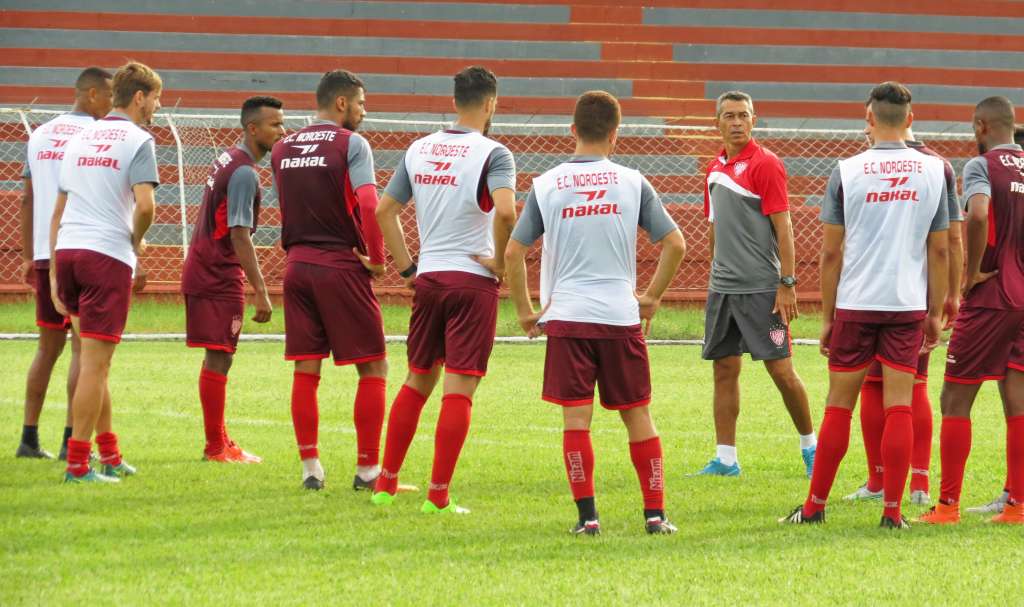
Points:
236	325
738	168
778	335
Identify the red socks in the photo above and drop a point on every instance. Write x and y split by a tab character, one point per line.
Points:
647	460
897	443
452	428
369	418
402	422
1015	457
954	447
305	414
78	456
872	421
833	440
921	456
212	388
109	454
578	453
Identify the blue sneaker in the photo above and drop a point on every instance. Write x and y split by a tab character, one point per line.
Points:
716	468
808	454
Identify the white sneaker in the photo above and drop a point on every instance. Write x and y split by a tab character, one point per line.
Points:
920	498
994	507
863	494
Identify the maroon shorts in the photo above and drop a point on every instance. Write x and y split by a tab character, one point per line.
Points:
861	337
875	370
214	324
331	311
47	316
985	343
454	316
580	354
97	289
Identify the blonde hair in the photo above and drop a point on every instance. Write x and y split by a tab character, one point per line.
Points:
131	78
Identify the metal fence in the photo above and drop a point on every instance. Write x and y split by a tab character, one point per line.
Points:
672	157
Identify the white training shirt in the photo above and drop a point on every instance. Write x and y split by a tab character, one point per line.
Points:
888	198
101	164
45	150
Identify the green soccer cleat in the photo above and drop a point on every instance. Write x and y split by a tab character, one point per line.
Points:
90	477
451	508
382	498
119	471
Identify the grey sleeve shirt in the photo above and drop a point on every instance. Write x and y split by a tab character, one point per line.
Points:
530	226
654	219
976	179
360	162
501	170
941	219
143	166
832	205
400	186
242	188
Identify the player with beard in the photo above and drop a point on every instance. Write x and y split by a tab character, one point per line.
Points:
220	254
327	193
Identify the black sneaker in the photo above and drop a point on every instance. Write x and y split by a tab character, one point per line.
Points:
586	528
31	452
796	517
888	523
358	484
657	525
313	483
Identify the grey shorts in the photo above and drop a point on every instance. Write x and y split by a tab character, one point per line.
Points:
734	324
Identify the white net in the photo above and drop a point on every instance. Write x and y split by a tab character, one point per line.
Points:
672	157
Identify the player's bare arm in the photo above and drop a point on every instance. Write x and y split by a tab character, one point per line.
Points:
388	210
58	214
975	240
241	241
515	267
504	221
831	265
785	296
142	218
938	286
956	270
26	232
673	248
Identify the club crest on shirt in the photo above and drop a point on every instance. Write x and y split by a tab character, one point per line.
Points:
739	167
236	325
777	333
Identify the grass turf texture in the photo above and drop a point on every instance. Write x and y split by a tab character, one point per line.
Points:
188	532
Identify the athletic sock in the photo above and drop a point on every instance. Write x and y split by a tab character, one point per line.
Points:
452	428
833	441
1015	457
78	456
305	413
402	422
578	455
726	454
311	467
650	470
954	448
587	509
808	440
212	394
368	415
109	453
30	436
921	457
897	444
67	435
872	421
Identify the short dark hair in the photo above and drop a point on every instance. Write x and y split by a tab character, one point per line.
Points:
337	83
997	111
251	107
92	77
1018	134
597	115
890	103
473	85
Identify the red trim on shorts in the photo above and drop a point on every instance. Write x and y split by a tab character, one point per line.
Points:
640	403
568	403
842	369
307	356
1015	366
973	380
363	359
52	325
893	365
101	336
465	372
419	371
218	347
921	376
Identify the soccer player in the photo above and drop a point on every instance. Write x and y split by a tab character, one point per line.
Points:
997	505
872	415
588	210
751	294
220	253
988	334
103	210
328	195
885	224
46	147
464	186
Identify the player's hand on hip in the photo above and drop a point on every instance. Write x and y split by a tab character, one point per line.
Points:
530	323
493	264
28	272
376	270
932	332
825	337
139	246
972	281
139	280
264	309
950	308
57	303
785	304
648	308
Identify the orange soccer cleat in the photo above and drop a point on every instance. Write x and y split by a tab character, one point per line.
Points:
238	455
941	514
1013	514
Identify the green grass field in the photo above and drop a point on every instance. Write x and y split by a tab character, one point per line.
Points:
188	532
